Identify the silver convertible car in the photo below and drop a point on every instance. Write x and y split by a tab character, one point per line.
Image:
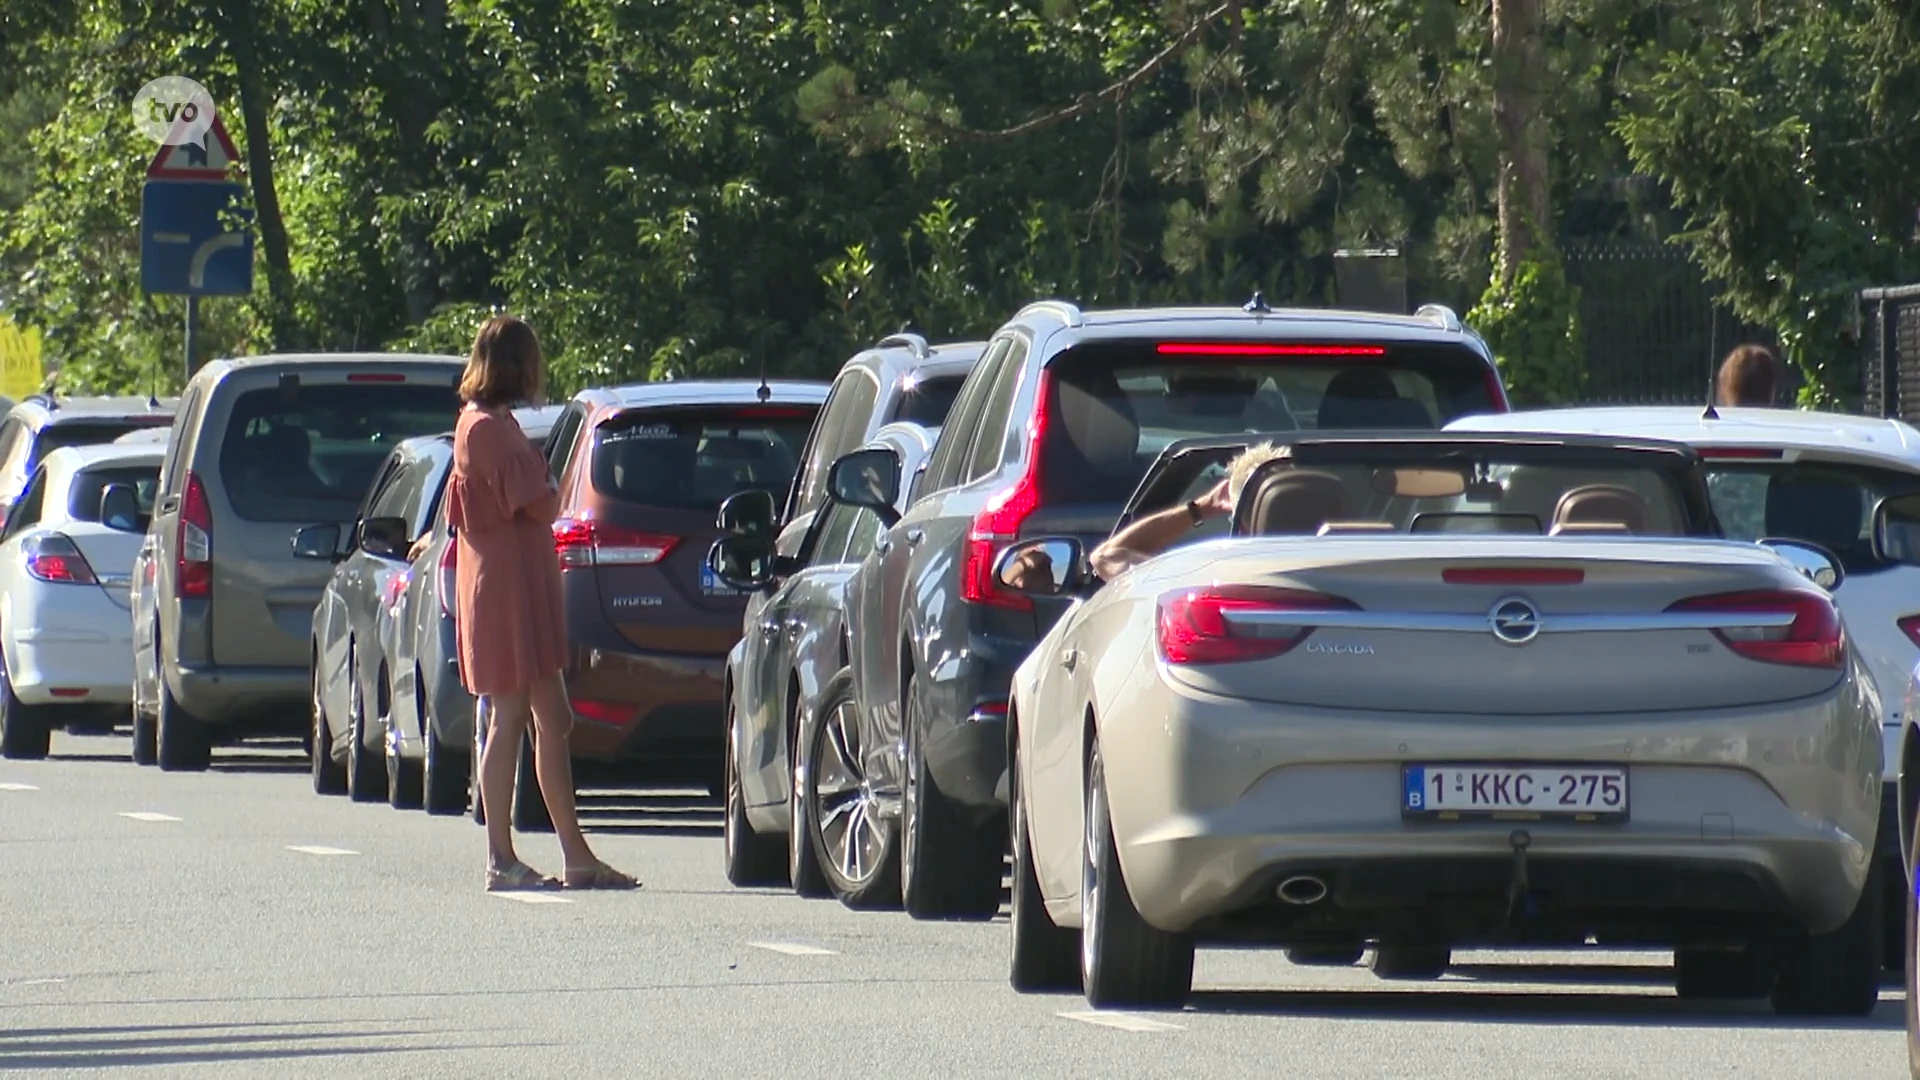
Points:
1441	690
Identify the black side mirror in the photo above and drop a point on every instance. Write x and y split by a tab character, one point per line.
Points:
743	562
384	536
1046	566
749	513
1815	563
1896	529
317	542
120	508
869	479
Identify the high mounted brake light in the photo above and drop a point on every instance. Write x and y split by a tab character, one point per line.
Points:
1513	575
1241	348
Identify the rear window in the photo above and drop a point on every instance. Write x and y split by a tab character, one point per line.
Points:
313	457
90	433
83	498
696	459
1117	405
1829	504
928	401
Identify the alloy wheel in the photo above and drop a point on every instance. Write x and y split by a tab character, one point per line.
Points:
843	803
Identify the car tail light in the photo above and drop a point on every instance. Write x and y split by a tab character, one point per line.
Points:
1513	575
584	542
54	557
605	712
1910	626
449	563
998	524
1196	625
1815	637
193	547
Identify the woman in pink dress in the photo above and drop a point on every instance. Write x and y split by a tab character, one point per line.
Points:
510	615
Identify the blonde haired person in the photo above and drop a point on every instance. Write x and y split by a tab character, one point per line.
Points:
1155	533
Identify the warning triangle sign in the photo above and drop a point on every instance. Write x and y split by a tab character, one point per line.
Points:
182	159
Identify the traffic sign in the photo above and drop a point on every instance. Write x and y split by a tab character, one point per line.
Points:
208	161
196	239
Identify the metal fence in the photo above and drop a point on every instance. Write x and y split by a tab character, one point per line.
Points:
1890	370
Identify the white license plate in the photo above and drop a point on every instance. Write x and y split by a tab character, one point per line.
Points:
1525	792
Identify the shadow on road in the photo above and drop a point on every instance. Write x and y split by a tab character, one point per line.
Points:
207	1043
649	813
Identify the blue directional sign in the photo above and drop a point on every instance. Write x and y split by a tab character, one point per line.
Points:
195	239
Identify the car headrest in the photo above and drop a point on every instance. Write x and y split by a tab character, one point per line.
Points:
1098	422
1283	501
1608	504
1338	414
1824	510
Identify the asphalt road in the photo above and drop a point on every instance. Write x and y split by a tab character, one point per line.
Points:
235	924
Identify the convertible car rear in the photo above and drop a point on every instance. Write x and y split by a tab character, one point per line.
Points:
1444	691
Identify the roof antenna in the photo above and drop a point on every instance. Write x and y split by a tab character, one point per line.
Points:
1257	305
765	392
1713	347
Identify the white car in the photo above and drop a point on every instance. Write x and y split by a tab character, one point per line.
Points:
66	561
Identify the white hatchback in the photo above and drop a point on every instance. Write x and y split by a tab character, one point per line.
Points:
66	561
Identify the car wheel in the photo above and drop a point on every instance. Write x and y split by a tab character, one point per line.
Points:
1042	956
144	736
1910	902
1722	974
529	809
950	867
1402	961
1124	960
1325	955
751	859
853	847
366	773
328	777
26	731
1835	974
803	861
443	773
181	742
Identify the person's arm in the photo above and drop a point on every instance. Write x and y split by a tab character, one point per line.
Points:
1155	533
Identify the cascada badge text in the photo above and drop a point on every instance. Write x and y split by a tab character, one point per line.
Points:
1339	648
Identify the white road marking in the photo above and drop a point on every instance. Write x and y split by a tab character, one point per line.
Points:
17	787
1120	1020
147	815
534	897
788	948
37	982
319	849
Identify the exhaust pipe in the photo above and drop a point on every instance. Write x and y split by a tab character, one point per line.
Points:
1302	890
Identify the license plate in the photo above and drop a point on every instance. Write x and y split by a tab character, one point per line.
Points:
711	585
1514	792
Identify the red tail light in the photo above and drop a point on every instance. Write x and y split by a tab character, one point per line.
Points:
1196	628
1815	637
998	524
449	562
1910	626
1513	575
193	546
53	557
605	712
584	542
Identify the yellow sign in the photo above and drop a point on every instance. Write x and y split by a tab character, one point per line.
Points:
21	370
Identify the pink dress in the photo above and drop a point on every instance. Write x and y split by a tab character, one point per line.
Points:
510	617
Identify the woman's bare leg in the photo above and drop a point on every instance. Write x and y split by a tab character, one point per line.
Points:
553	763
498	758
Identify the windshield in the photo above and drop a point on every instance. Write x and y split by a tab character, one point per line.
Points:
1826	503
312	456
696	459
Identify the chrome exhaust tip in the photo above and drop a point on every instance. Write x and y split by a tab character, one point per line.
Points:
1302	890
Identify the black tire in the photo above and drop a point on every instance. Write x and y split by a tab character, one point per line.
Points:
1722	974
181	742
1910	964
1124	960
328	777
855	849
443	772
1042	957
529	809
366	772
950	866
803	860
1403	961
1836	974
1325	955
404	779
26	731
751	858
145	749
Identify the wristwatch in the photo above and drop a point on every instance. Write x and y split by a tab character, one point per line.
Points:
1193	511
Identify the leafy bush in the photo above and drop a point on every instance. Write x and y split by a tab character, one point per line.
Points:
1533	328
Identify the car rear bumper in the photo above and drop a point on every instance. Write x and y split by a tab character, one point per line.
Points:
675	704
1769	813
72	665
246	699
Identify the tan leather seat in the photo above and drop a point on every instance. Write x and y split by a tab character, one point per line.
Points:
1600	505
1294	502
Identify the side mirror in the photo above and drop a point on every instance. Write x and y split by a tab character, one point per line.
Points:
120	508
384	536
1896	529
742	562
1815	563
748	513
869	479
317	542
1046	566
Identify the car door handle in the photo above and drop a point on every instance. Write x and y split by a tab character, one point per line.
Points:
793	627
770	628
170	504
1069	659
914	536
882	546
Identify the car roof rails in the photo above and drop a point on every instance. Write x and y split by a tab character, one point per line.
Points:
43	398
912	341
1066	309
1445	316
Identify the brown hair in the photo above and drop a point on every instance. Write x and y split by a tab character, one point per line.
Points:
1748	376
505	367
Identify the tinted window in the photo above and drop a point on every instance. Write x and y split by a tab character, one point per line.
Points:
183	422
950	453
1827	504
313	458
866	531
83	497
991	441
90	433
411	492
696	459
927	401
839	522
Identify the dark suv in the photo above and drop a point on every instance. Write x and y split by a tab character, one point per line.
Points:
1050	434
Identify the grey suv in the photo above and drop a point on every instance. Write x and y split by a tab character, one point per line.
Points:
223	610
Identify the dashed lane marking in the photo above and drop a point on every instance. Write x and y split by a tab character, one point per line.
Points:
147	815
319	849
534	897
1120	1020
789	948
10	786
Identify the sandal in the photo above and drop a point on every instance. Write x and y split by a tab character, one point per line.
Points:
600	876
518	877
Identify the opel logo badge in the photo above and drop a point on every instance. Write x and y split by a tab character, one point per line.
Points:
1514	621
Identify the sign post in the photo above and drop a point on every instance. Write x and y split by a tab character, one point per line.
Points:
196	236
